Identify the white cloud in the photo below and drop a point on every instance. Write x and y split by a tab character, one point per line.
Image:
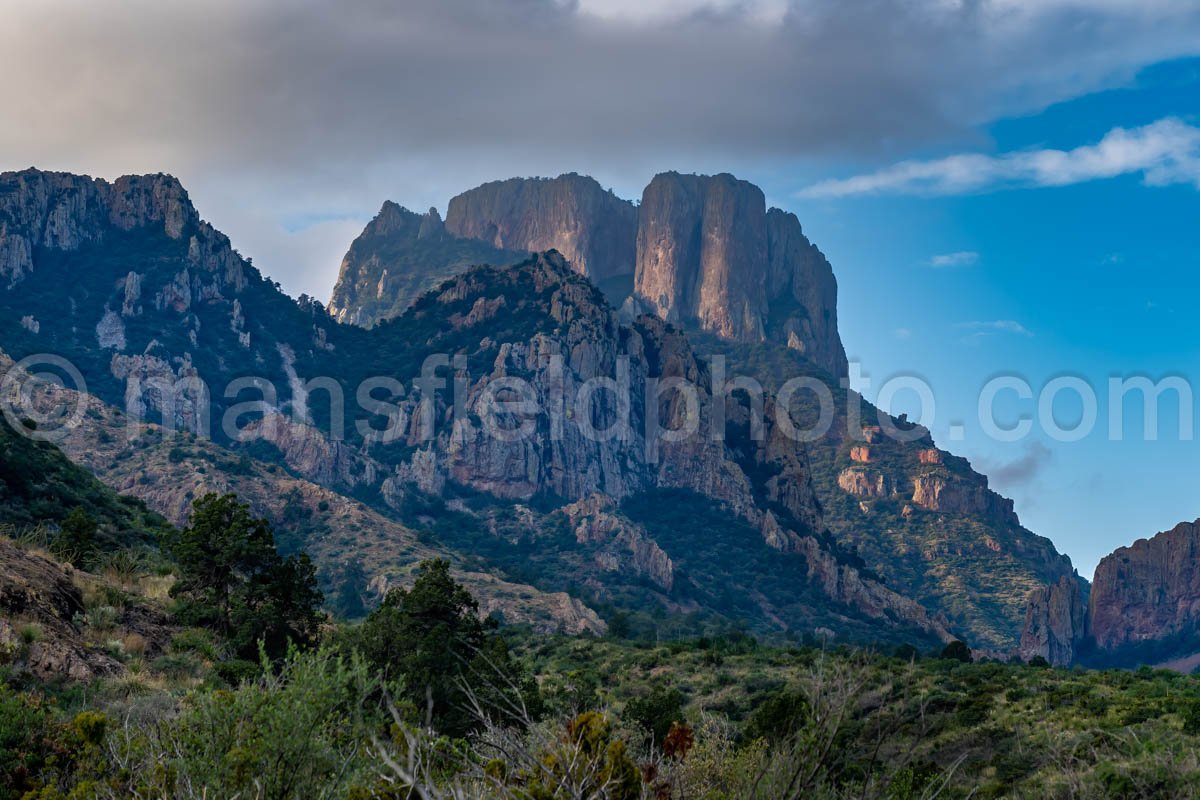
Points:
902	333
962	258
1163	153
982	329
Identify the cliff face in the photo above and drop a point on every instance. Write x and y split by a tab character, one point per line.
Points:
702	251
1054	622
711	255
592	228
802	292
60	211
1147	591
1143	608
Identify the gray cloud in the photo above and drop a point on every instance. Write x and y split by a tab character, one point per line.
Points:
1023	470
322	110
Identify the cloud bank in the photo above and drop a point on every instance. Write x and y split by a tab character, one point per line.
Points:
313	109
1164	152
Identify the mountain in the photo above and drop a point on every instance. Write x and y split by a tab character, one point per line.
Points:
855	532
920	517
160	314
1143	608
701	251
39	486
41	599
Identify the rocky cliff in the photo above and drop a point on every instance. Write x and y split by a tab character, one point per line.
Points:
59	211
802	295
1148	591
1143	608
1055	622
712	256
701	251
591	227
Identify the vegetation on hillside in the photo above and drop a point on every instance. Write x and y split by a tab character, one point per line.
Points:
50	501
424	699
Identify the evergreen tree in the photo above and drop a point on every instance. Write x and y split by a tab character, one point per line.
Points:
348	602
432	637
76	539
233	581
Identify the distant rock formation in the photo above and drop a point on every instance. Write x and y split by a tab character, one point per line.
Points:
398	257
1143	607
1147	591
1054	622
700	251
710	254
573	214
61	211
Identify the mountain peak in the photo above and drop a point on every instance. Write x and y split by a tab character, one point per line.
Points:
701	250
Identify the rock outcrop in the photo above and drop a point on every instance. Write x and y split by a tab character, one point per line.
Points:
1147	591
592	228
701	251
1055	622
938	491
711	255
398	257
802	293
621	544
40	605
864	483
61	211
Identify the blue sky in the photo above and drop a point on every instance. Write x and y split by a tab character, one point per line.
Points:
1099	276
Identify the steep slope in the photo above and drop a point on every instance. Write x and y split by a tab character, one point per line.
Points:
918	516
1148	591
40	487
153	467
